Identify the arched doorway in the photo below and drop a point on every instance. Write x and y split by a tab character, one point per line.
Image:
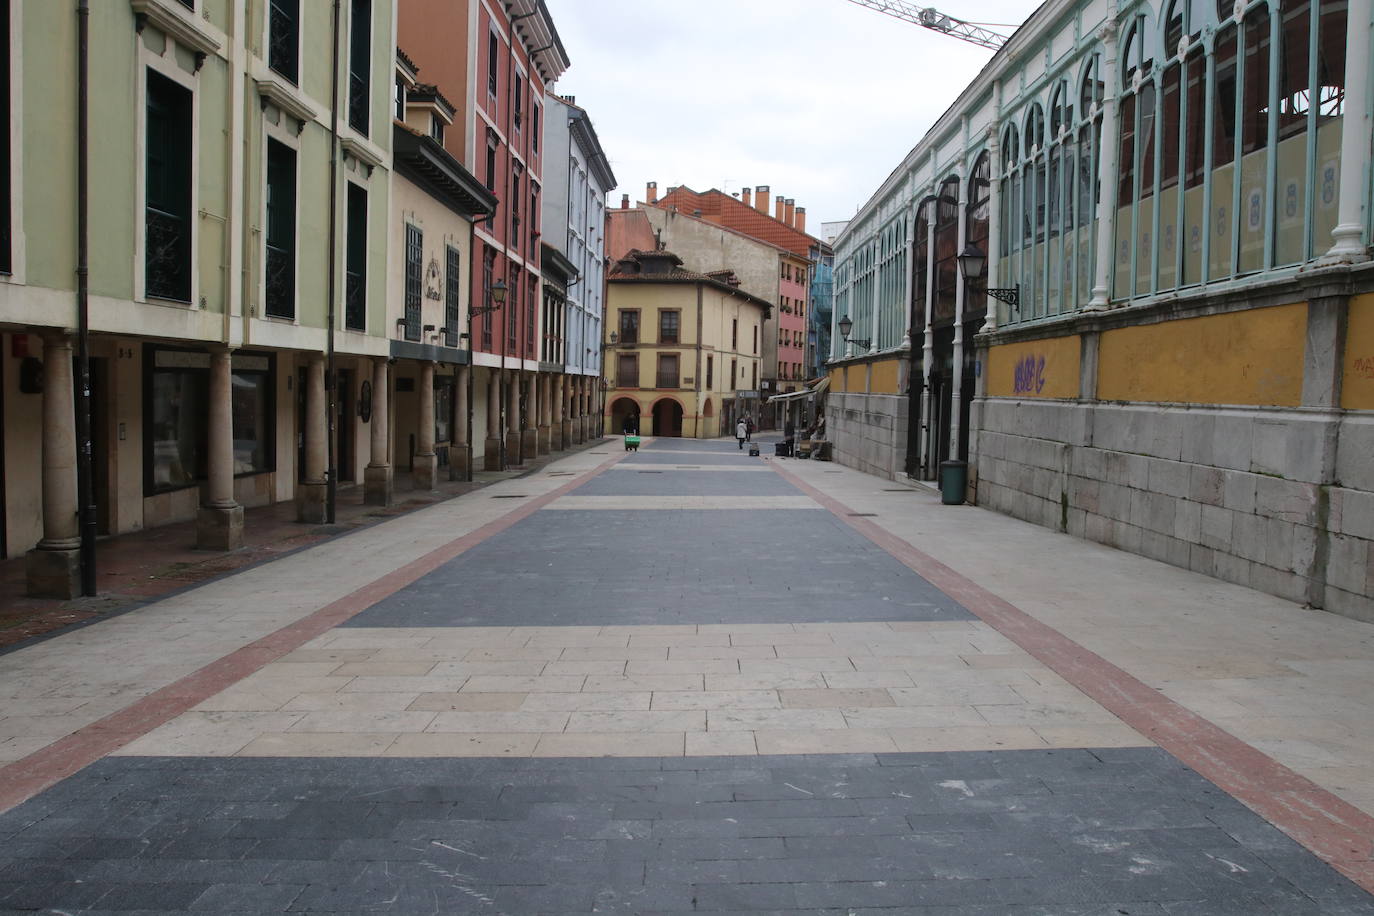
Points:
708	417
622	408
667	418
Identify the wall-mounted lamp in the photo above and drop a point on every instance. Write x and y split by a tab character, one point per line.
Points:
846	325
973	264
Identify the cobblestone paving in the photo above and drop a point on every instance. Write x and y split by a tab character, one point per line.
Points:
1122	831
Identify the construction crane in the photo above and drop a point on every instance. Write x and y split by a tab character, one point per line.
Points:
930	18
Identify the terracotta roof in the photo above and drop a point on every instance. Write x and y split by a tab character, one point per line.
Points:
678	274
428	92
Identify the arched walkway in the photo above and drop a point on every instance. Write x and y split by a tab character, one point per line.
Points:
667	418
622	408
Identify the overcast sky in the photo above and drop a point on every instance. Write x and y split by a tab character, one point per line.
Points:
819	99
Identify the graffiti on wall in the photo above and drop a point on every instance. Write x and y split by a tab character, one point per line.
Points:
1029	374
1364	367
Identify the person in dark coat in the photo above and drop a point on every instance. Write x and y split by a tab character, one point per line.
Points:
632	424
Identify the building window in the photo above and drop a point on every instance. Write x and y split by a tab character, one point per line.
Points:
667	371
519	101
176	403
710	371
493	48
667	326
360	66
756	338
513	311
491	159
755	384
734	338
734	374
167	242
451	277
400	112
281	230
629	326
283	38
531	298
436	128
355	267
488	277
415	261
627	370
534	125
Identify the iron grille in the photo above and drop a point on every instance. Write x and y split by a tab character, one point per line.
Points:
414	267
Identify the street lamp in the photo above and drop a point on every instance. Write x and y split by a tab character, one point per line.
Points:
973	264
496	296
845	326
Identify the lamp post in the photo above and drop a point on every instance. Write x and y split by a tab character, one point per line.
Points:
973	264
496	295
846	325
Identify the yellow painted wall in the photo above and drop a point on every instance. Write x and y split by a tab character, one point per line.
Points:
1357	388
886	376
1035	369
1250	357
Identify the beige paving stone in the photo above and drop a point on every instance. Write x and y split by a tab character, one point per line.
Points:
781	681
537	702
713	640
298	669
462	744
317	744
1001	660
981	694
373	638
867	679
913	717
599	683
512	653
259	694
338	656
367	702
780	638
747	629
1092	736
848	632
590	640
795	665
208	734
736	720
412	685
12	749
539	632
716	699
913	663
613	667
966	738
721	744
722	651
614	744
527	667
684	666
383	669
598	721
629	653
51	727
660	629
835	699
469	702
830	741
963	676
496	683
398	721
923	626
806	652
499	722
1037	714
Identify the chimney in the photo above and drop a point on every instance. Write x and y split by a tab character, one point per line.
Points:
651	192
745	196
779	207
790	212
801	219
761	199
624	201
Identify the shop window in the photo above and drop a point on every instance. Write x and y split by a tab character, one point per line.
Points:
355	263
283	38
167	219
280	280
360	66
629	326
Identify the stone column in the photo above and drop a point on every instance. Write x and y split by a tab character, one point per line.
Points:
513	454
545	413
377	474
565	411
579	427
311	493
53	568
493	446
529	433
459	456
1355	129
1106	172
219	523
426	463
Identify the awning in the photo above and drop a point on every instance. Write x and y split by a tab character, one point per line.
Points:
819	388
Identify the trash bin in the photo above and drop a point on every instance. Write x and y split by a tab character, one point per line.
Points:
953	482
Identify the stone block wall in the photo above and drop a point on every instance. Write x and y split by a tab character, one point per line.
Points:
1281	500
868	431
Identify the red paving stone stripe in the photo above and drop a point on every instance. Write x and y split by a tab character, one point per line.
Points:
1329	826
30	775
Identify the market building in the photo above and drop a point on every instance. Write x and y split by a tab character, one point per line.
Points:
1126	277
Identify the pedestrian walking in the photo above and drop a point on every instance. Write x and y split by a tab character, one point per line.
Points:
748	429
741	432
789	436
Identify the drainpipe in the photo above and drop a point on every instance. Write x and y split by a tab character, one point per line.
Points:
330	385
84	489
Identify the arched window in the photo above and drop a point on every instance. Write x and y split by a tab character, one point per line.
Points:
1035	131
976	228
1090	89
1061	111
946	250
920	265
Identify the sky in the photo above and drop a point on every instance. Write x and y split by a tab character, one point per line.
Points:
819	99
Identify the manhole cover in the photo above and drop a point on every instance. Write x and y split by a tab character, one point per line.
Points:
598	453
899	490
862	514
649	472
562	473
512	496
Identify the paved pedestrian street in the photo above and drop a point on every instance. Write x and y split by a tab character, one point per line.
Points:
687	680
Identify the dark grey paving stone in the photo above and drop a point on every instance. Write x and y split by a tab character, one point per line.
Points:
649	481
546	836
605	568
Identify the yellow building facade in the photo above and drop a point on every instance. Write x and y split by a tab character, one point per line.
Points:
684	350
